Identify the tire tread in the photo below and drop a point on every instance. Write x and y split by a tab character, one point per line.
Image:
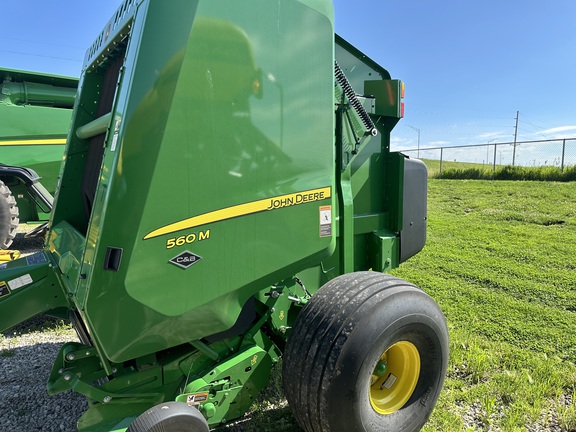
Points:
9	216
319	334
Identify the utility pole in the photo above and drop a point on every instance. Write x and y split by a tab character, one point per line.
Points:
417	130
515	136
488	150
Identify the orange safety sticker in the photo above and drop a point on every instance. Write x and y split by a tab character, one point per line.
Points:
325	221
196	398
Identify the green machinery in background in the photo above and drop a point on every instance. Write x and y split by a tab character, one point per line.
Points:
227	199
35	111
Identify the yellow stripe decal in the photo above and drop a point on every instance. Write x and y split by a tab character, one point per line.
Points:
33	142
243	210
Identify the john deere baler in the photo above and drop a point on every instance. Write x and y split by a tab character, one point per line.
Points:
227	199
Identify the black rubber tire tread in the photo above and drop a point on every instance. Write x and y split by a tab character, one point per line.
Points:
340	335
170	417
8	216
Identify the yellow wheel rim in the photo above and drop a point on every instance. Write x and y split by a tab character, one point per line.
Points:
395	377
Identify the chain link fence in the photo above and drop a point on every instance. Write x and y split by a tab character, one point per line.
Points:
560	153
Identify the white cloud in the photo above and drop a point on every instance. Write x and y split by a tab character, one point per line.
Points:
489	134
401	143
559	131
398	140
496	136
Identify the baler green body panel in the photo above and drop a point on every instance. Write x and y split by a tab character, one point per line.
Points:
218	147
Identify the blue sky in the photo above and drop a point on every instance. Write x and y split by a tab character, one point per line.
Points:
469	66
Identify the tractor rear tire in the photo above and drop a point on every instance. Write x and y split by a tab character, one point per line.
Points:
172	417
368	353
8	217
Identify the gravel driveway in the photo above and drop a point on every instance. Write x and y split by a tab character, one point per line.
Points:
27	353
26	357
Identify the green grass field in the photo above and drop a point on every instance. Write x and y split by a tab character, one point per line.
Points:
433	166
476	171
500	261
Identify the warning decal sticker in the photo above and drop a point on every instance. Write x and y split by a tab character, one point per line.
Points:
20	282
196	399
37	258
325	221
4	290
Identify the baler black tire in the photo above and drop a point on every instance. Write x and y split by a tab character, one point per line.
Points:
170	416
343	332
8	216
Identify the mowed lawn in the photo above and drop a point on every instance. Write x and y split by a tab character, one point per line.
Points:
500	260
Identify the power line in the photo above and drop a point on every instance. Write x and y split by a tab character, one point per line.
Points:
532	124
40	55
41	43
533	132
